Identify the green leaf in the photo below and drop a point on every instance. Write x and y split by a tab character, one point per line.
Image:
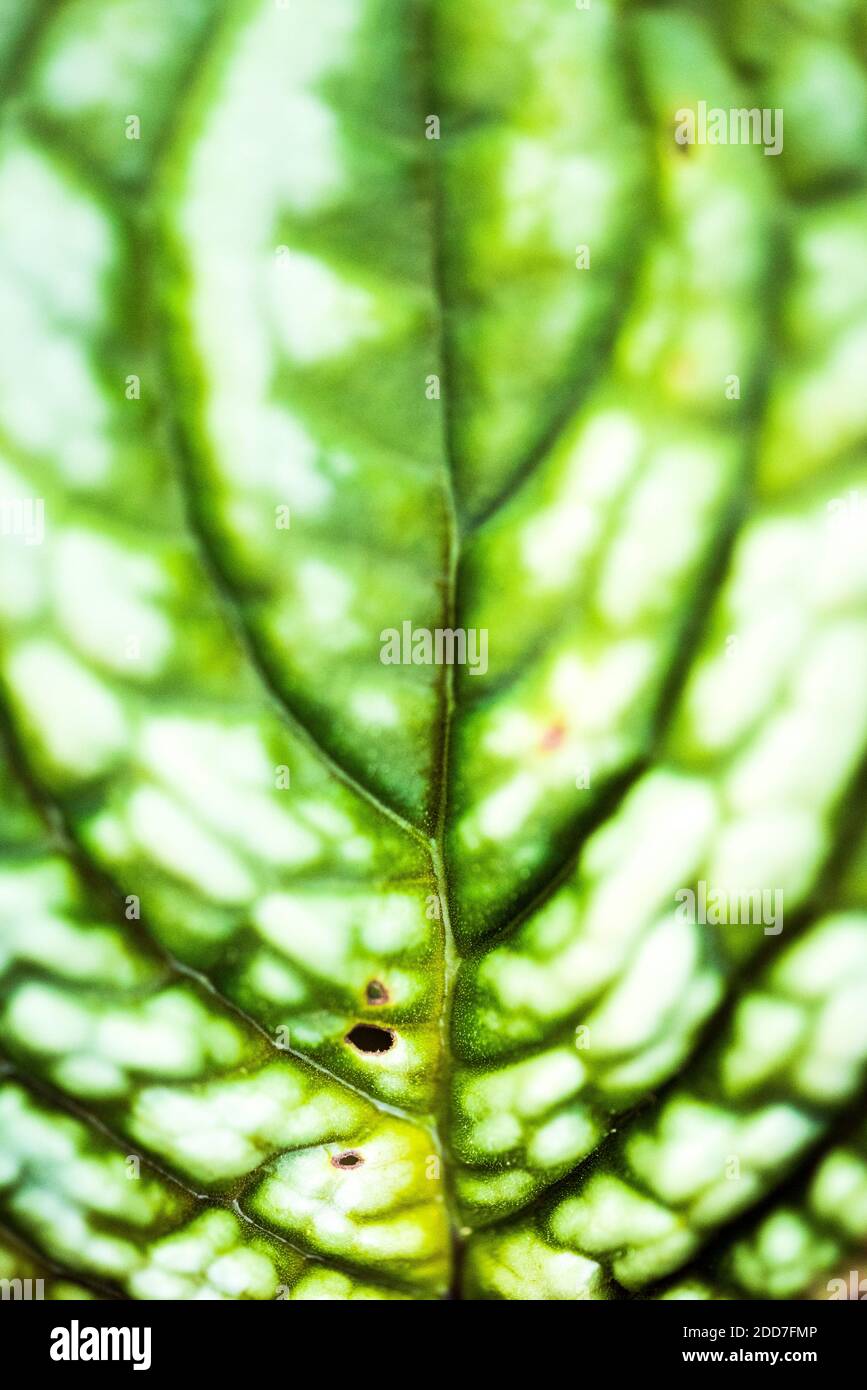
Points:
332	977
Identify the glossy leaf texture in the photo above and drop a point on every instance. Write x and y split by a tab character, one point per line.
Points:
330	977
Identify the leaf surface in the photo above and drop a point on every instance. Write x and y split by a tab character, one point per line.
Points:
331	319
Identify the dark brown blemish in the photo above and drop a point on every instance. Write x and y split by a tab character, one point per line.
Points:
369	1038
376	993
350	1158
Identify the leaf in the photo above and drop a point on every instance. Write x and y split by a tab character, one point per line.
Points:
330	977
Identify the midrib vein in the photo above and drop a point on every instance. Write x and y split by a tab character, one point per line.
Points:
429	105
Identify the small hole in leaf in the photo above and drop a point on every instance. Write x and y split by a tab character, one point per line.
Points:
370	1038
349	1159
376	993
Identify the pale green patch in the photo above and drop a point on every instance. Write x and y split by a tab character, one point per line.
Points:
74	716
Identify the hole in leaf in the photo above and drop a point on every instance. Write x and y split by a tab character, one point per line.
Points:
348	1159
376	993
370	1038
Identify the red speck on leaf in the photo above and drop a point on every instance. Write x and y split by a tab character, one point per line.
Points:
553	737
